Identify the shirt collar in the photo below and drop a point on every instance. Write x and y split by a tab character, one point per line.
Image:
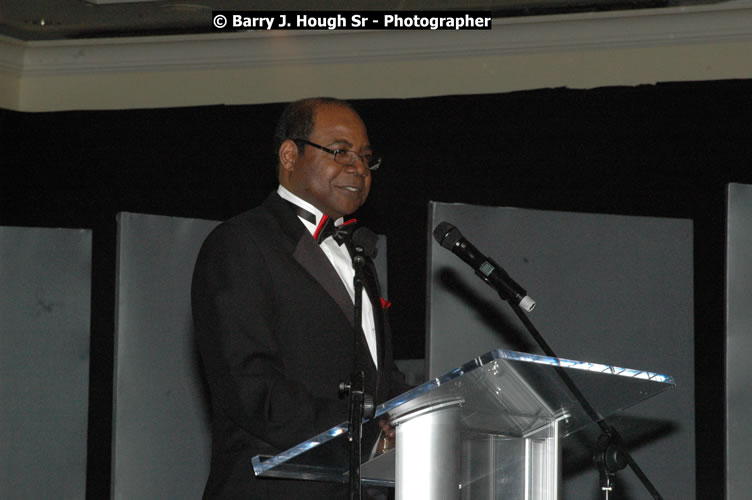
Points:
297	200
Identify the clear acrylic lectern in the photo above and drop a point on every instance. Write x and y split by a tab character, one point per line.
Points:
488	429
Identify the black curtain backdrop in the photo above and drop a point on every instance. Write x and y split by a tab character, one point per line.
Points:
664	150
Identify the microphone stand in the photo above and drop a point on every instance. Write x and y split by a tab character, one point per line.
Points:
360	404
610	453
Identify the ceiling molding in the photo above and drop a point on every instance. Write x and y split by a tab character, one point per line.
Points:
654	27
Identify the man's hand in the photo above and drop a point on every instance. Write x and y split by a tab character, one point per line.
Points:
386	438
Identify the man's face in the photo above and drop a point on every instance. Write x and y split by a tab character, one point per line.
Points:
335	189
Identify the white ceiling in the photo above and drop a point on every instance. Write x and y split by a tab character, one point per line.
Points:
29	20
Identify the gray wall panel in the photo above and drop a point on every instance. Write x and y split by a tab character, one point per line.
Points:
161	437
45	309
739	342
610	289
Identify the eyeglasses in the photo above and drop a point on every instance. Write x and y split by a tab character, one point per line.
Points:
346	157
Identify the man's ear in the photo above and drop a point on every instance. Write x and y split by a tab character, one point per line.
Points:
288	155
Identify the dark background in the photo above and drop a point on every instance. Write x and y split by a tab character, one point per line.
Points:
664	150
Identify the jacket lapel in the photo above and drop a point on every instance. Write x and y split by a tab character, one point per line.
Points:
307	253
374	292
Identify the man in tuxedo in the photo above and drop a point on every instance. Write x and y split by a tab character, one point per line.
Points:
272	299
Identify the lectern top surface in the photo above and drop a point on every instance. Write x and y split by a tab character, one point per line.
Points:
503	393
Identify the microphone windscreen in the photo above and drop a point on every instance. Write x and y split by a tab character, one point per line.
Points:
446	234
366	239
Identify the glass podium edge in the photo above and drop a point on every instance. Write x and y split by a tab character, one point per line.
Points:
263	464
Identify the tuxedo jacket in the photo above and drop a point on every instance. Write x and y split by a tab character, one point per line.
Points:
275	331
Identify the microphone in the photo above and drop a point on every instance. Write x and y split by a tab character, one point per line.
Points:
450	237
365	240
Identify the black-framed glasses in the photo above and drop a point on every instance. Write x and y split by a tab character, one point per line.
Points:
345	156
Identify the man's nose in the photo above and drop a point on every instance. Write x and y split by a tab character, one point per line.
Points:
360	167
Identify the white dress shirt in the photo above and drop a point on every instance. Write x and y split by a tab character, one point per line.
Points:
342	262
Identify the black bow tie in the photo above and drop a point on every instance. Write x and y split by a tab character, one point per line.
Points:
326	226
340	233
